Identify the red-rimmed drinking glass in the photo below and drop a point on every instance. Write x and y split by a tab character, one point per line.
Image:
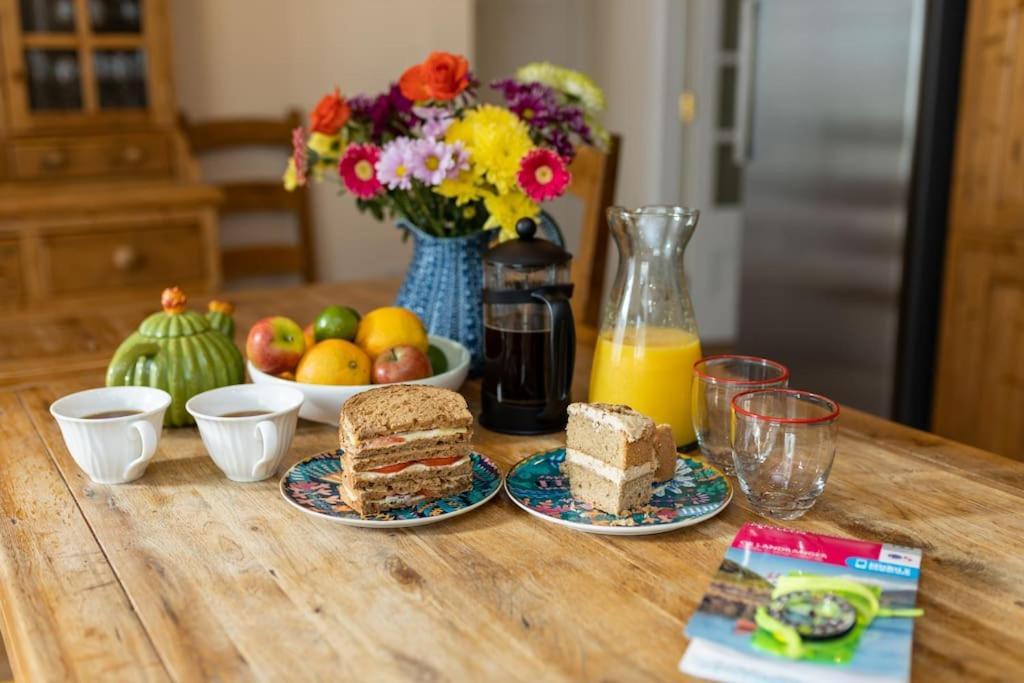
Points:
716	379
784	443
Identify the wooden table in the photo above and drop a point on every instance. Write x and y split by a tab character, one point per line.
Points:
185	575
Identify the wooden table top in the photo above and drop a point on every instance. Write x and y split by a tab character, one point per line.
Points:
184	575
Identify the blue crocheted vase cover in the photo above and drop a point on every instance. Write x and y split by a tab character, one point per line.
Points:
444	285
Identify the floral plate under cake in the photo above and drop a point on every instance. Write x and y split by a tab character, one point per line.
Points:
697	492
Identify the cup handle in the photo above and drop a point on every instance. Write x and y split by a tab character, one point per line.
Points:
148	436
268	432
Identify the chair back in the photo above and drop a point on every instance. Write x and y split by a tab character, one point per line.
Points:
593	181
254	260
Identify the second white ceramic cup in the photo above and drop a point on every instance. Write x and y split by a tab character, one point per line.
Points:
247	448
112	450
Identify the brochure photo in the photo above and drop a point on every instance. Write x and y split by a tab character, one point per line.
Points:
788	605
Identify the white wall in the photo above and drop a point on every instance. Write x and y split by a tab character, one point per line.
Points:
634	50
263	57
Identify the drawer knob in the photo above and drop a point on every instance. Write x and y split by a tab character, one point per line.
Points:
125	257
54	159
132	154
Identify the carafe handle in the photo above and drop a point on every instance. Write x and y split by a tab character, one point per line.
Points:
563	348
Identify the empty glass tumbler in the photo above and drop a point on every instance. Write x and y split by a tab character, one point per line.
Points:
784	442
716	380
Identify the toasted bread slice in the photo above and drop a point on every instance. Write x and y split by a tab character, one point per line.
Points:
372	502
400	408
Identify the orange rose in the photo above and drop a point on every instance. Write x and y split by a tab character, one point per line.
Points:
440	78
330	115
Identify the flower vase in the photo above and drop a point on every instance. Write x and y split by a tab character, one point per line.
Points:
444	285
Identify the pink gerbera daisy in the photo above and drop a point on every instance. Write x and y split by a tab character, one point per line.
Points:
299	155
543	175
357	170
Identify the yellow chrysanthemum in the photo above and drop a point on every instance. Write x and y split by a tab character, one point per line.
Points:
325	146
291	176
506	209
496	140
463	190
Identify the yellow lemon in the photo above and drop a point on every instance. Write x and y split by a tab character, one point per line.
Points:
334	361
384	328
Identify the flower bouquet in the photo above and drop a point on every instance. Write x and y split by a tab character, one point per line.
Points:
450	169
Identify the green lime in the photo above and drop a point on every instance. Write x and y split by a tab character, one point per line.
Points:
438	361
336	322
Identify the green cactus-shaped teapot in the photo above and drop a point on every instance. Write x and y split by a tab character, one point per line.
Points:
182	352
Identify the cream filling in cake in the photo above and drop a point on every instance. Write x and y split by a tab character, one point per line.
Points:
415	467
634	426
408	437
605	470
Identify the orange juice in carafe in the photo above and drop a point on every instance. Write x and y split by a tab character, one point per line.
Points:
648	341
651	370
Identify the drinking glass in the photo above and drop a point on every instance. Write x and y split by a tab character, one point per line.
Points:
784	442
716	380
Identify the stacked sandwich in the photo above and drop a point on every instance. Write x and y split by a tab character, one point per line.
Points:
614	455
404	444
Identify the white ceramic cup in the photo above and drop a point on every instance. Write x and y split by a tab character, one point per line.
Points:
112	450
247	448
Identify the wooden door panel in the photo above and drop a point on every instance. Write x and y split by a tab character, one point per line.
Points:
979	390
980	397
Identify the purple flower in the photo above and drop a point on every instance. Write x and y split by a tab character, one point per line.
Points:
394	168
388	115
430	160
435	120
534	103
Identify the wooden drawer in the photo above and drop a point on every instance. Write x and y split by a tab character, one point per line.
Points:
87	263
96	156
11	288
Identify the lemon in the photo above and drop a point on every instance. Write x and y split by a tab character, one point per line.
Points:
334	361
384	328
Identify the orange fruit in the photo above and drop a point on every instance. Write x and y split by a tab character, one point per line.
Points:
385	328
307	334
334	361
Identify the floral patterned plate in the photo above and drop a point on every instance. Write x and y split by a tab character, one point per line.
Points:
312	486
698	491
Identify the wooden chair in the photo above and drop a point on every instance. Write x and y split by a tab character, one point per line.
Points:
593	181
247	196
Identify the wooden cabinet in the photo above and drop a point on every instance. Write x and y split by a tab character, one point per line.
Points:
98	192
979	392
134	253
95	156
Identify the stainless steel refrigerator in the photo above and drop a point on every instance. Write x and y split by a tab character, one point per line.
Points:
829	94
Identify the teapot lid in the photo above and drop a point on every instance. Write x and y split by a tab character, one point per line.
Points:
528	251
175	320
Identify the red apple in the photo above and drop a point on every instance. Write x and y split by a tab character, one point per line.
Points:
400	364
275	345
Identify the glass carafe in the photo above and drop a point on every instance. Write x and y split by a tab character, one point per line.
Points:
648	340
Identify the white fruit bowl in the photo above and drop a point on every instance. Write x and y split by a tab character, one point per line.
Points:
323	401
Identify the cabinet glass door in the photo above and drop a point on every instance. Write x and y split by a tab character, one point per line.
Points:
115	16
54	80
120	78
47	16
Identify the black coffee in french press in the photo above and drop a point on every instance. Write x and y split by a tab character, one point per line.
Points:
529	335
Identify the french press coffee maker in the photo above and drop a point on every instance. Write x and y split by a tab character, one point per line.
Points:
529	335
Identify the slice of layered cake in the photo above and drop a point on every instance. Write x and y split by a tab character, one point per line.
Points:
609	456
404	444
